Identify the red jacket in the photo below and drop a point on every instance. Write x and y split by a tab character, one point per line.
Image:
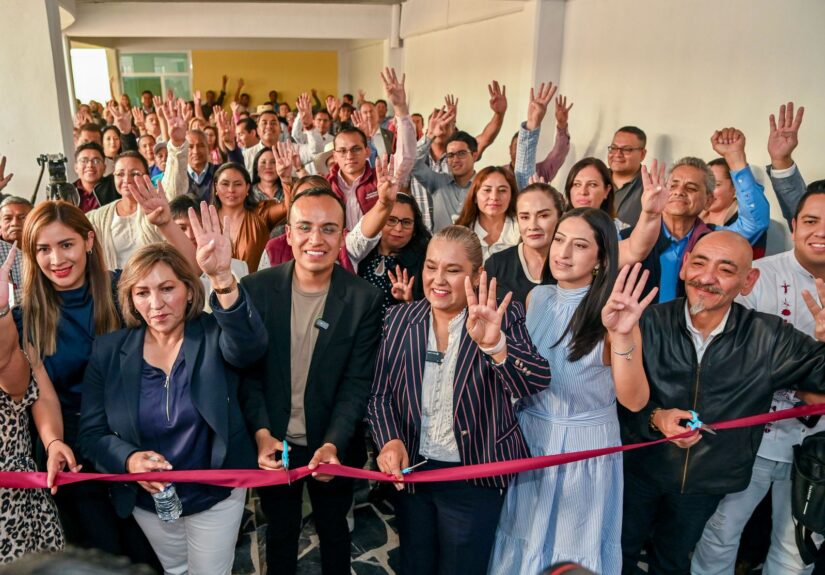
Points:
366	192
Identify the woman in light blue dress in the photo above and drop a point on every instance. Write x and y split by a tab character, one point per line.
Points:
587	328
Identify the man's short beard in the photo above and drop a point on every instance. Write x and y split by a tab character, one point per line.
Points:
698	307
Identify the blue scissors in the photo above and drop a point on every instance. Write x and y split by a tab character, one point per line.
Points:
406	470
695	423
285	461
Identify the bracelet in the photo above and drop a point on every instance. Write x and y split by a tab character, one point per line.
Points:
225	290
650	421
52	441
5	311
497	348
628	355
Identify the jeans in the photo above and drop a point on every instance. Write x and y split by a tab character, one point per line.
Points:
716	552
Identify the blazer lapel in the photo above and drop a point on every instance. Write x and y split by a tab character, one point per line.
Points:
464	366
131	368
333	309
416	345
278	313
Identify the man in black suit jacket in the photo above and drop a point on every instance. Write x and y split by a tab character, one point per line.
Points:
312	386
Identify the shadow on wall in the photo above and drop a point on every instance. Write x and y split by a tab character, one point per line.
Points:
662	150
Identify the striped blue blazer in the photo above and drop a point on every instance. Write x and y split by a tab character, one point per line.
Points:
484	421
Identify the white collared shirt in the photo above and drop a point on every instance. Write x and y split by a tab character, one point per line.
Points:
508	238
437	434
779	291
699	342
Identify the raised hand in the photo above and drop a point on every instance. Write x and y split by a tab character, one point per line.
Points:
498	98
83	116
224	123
537	108
784	135
387	182
730	144
623	309
185	111
224	80
240	84
304	105
562	112
363	122
153	202
396	93
655	192
176	122
536	179
361	97
139	118
817	309
283	153
170	95
4	179
484	314
120	118
402	284
5	277
439	123
214	247
197	96
451	103
234	106
332	105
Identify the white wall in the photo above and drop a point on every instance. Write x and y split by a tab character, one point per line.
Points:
359	68
464	58
680	70
35	117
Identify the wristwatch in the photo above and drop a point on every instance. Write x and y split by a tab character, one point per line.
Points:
228	289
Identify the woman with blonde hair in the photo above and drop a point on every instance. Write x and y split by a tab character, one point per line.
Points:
162	394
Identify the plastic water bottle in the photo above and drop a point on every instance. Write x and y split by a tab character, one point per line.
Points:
167	503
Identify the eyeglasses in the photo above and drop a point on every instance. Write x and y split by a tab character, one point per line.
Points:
460	155
132	174
92	161
406	223
623	150
355	150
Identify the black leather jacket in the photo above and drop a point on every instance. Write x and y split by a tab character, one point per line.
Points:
754	355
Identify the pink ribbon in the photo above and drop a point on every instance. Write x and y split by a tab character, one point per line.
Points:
261	478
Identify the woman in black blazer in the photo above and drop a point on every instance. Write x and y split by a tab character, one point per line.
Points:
162	394
447	371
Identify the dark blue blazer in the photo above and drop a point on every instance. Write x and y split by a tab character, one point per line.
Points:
484	422
214	347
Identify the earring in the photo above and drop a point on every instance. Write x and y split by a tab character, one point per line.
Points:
89	253
595	271
188	304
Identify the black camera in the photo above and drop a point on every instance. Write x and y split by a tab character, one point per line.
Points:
57	188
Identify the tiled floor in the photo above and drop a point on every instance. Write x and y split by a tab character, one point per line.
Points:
374	540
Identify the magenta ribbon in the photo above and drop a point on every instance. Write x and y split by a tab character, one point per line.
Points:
261	478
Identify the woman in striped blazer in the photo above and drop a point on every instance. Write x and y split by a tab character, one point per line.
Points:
447	371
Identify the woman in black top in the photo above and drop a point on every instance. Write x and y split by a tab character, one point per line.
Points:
395	264
522	267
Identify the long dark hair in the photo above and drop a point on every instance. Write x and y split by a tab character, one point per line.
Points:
586	324
249	202
469	214
608	202
421	235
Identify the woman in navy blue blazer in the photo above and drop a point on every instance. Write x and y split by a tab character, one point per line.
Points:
162	394
448	369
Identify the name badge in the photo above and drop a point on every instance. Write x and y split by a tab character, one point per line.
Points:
434	357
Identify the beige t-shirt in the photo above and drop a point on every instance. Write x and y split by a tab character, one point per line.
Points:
307	308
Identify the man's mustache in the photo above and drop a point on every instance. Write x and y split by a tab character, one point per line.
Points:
705	287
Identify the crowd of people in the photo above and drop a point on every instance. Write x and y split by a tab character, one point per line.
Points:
238	288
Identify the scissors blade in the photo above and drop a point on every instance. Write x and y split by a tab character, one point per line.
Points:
708	428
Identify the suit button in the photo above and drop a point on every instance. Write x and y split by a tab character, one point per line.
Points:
464	432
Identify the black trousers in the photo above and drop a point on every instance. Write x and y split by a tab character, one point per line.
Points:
674	522
447	528
330	504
